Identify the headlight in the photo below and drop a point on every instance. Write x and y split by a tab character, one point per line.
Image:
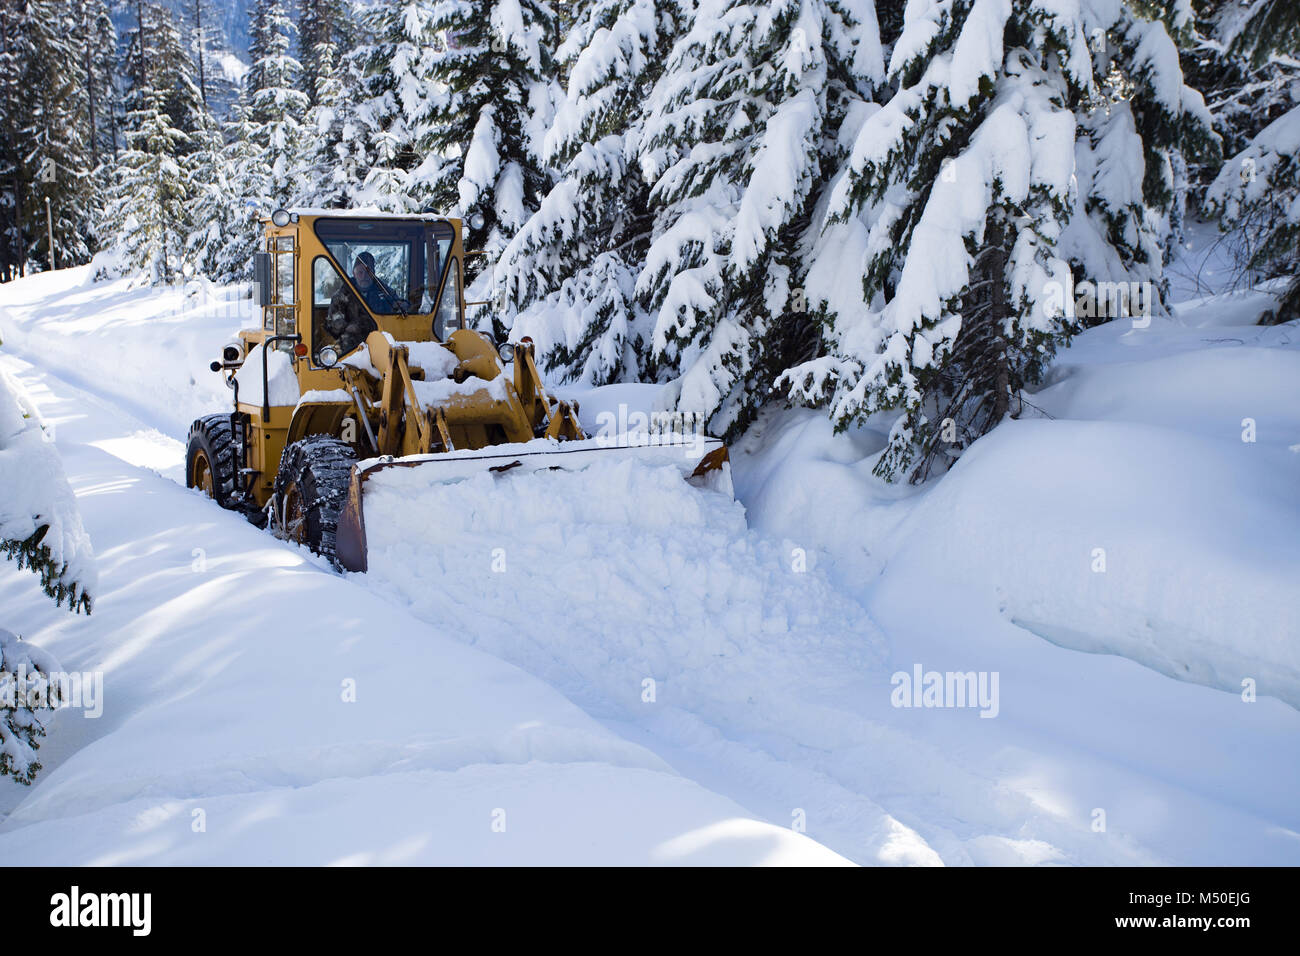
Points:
280	217
507	351
328	356
232	354
476	221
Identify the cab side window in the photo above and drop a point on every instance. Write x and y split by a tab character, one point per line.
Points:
337	316
278	317
448	318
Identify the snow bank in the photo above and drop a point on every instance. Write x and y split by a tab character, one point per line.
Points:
148	348
34	494
1162	547
578	814
649	603
620	572
1155	518
991	569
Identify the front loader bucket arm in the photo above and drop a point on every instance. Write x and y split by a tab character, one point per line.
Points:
560	419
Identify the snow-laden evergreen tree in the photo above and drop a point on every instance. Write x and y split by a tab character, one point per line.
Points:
97	38
1246	86
27	698
223	209
277	108
258	46
323	30
1257	193
265	162
1267	28
48	144
40	526
12	247
576	259
494	96
152	190
167	136
336	153
1030	144
396	89
158	62
739	132
1139	104
56	135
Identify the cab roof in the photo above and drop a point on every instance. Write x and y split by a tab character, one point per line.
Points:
356	214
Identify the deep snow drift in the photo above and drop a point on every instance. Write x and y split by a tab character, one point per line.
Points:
37	495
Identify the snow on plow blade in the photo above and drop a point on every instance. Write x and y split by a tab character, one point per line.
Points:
702	461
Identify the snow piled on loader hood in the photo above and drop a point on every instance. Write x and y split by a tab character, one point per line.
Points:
281	380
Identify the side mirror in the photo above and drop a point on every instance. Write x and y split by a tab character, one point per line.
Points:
262	278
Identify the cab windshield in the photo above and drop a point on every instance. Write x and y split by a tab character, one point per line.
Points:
396	265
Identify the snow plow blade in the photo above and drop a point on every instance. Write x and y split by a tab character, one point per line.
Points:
702	461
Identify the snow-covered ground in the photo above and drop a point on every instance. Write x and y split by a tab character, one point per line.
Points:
637	671
259	710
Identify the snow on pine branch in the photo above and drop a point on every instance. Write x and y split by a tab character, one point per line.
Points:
604	70
1261	173
781	176
26	694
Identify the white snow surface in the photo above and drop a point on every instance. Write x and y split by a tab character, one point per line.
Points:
502	642
34	491
281	380
440	390
447	755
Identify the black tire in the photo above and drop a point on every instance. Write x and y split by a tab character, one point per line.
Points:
311	489
210	459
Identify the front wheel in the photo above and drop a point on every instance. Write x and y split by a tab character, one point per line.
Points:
310	491
210	459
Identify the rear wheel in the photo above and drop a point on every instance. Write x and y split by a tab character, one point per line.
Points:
210	459
310	491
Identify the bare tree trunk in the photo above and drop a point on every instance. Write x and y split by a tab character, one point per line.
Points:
113	119
89	62
1000	311
198	30
139	20
17	247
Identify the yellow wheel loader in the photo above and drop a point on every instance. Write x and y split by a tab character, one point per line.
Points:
364	362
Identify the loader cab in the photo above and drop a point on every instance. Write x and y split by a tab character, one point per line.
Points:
401	276
331	277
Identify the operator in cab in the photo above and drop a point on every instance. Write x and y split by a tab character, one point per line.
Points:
346	320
